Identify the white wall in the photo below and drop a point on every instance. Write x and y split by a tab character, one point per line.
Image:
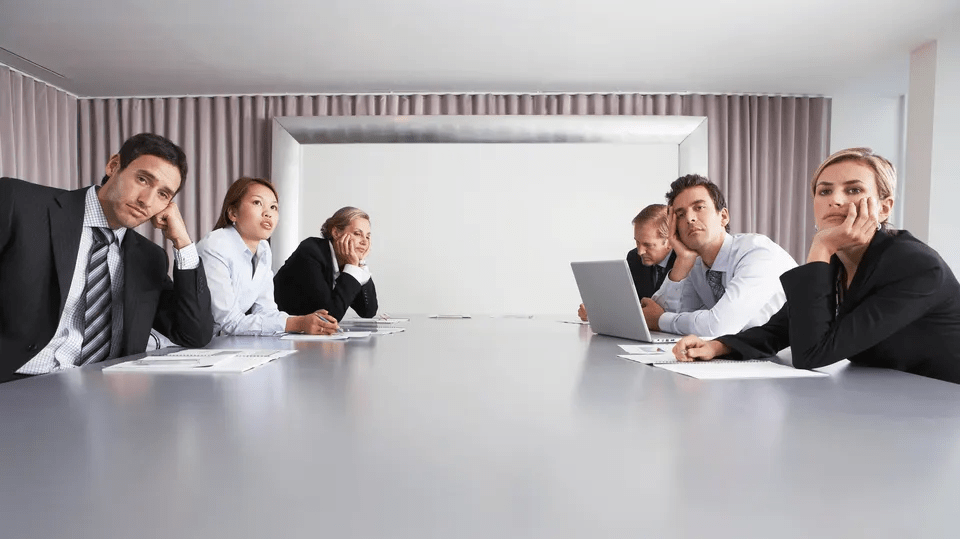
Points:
945	162
485	228
933	145
923	74
876	122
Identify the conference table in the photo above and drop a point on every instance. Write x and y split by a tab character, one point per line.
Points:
476	428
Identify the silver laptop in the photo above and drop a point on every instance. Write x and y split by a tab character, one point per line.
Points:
613	307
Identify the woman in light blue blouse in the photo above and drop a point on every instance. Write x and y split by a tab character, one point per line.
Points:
237	261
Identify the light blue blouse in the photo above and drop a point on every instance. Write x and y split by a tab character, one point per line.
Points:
235	289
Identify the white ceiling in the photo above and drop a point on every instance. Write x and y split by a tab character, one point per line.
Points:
197	47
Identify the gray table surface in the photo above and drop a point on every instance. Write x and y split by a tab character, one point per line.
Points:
476	428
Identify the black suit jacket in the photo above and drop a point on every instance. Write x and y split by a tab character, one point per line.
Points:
644	277
902	311
305	284
40	230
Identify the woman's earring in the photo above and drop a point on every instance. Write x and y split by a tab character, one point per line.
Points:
879	226
815	229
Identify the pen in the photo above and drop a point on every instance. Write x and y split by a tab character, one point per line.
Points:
339	329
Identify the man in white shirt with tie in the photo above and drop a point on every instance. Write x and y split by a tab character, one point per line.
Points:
720	283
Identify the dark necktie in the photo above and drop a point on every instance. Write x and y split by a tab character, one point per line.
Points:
96	294
715	280
659	272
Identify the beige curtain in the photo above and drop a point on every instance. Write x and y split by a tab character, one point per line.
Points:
38	131
762	148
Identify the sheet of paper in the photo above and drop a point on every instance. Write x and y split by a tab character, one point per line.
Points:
199	361
387	331
650	359
640	349
578	322
738	370
302	337
370	322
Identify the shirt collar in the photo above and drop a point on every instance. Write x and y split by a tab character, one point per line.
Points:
666	260
333	257
236	238
722	262
94	217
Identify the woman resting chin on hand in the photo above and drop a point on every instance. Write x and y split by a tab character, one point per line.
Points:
868	293
330	272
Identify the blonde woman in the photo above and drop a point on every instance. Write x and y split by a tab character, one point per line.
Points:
330	272
868	293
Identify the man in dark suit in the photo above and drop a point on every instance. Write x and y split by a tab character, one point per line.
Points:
54	243
652	259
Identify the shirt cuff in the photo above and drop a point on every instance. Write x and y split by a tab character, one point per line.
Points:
186	258
668	322
361	274
669	294
282	326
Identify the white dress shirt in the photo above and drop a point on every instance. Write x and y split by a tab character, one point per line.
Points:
64	348
236	290
751	266
361	273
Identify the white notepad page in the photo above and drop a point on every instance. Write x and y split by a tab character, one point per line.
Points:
738	370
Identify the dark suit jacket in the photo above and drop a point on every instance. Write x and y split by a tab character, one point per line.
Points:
644	277
40	230
902	311
305	284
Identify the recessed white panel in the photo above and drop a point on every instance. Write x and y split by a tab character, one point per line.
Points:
485	228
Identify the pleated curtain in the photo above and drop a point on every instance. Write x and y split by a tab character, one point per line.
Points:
762	148
38	131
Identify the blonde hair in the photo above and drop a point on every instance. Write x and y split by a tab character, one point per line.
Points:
341	219
654	213
883	169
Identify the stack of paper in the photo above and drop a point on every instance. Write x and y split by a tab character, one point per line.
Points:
650	354
717	369
195	361
335	337
375	326
370	322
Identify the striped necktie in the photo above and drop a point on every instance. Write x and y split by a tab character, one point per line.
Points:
96	294
715	280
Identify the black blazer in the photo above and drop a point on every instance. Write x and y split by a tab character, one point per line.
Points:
644	277
305	284
40	230
902	311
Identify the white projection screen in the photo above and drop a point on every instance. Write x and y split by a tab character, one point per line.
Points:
480	215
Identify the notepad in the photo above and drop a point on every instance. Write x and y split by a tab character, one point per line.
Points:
199	361
737	370
370	322
387	331
303	337
650	359
644	349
